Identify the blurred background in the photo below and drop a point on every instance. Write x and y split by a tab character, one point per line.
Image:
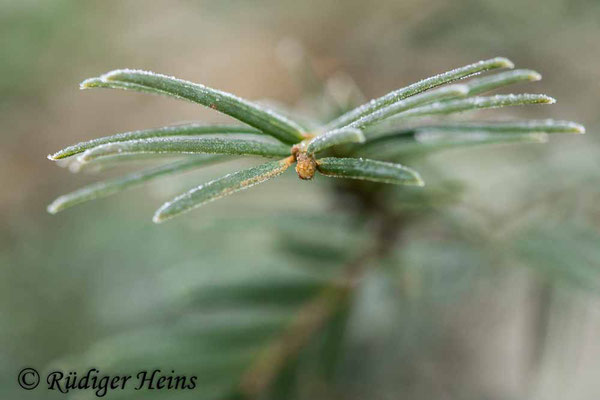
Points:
491	294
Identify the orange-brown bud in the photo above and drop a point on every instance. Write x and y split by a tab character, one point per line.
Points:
305	166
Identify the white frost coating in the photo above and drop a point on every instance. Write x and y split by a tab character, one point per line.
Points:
113	76
54	207
407	104
89	154
420	86
502	79
550	123
159	217
496	101
335	137
136	146
505	62
535	76
375	167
